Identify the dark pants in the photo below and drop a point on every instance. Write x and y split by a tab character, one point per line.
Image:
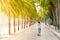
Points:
39	30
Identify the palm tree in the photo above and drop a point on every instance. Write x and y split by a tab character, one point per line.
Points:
20	7
57	13
50	4
7	13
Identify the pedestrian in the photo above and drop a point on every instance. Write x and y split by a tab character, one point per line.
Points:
39	28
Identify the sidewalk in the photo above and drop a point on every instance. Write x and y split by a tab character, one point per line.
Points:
54	30
31	34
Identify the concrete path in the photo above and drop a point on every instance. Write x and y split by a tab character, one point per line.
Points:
31	34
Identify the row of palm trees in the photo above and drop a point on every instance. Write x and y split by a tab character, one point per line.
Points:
57	14
54	9
51	8
19	10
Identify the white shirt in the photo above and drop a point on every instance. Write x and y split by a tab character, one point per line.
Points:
38	25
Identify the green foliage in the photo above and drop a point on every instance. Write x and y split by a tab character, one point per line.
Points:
45	6
25	8
49	15
44	3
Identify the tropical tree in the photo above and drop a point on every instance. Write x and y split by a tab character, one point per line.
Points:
48	5
20	7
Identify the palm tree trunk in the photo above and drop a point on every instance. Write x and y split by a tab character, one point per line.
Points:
18	22
53	17
22	24
14	23
9	23
56	17
58	13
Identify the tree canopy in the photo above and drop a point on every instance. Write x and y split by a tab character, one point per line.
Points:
45	6
27	7
20	7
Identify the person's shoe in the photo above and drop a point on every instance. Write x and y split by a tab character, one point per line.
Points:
38	35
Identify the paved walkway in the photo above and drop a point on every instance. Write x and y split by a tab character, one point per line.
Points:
31	34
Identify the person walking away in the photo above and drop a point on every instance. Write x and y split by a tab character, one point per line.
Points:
39	28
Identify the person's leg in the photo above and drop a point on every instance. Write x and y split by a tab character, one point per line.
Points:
39	30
